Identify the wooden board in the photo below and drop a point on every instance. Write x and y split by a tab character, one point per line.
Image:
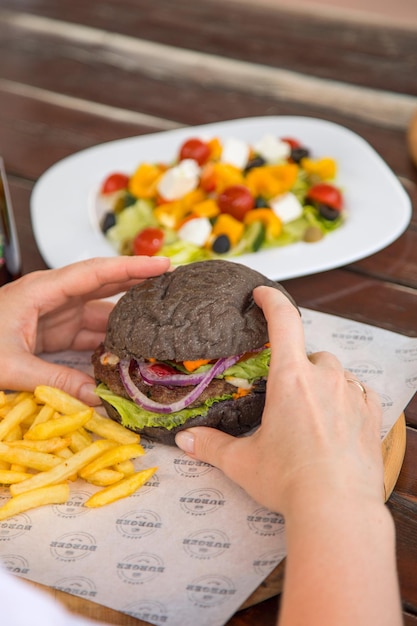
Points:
393	450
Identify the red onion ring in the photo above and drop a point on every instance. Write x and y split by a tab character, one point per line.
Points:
156	407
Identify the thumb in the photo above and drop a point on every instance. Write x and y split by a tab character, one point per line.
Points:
211	446
35	371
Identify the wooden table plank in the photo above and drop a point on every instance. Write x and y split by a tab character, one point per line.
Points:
347	294
68	52
364	55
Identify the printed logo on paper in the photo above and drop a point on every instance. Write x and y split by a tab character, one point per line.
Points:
191	468
152	612
265	563
408	354
74	506
386	401
411	381
210	590
147	444
365	370
206	544
353	337
73	546
306	320
15	526
77	586
265	523
202	501
137	569
15	564
138	524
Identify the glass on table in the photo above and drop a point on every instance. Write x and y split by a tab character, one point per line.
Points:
10	257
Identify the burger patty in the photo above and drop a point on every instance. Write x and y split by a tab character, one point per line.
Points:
108	374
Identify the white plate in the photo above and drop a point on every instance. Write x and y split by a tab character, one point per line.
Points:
378	209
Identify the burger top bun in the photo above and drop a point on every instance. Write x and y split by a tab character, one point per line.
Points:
202	310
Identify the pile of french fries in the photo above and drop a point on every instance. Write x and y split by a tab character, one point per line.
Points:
49	439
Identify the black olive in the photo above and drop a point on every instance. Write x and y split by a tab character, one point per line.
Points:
327	212
260	203
299	153
109	220
255	162
221	244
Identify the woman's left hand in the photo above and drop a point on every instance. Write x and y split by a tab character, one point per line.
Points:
61	309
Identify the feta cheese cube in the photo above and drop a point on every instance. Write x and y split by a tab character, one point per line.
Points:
272	149
235	152
287	207
196	231
177	181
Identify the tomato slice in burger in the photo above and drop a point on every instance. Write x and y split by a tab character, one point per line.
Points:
148	242
162	369
324	193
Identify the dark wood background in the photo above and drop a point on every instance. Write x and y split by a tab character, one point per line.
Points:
74	74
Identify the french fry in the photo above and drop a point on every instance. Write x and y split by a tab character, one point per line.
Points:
59	400
112	457
45	413
16	467
101	426
8	477
104	427
40	461
59	426
80	439
54	444
126	467
15	434
48	438
65	453
57	494
119	490
65	469
105	477
17	414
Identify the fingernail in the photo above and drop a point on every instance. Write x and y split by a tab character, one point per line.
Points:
185	440
87	394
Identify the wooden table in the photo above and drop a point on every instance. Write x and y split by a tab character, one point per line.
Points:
74	74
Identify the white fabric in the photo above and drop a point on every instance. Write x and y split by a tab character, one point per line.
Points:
22	605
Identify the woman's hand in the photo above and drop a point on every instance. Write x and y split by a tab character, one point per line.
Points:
60	309
318	432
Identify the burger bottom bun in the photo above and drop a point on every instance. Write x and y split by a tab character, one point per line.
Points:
235	417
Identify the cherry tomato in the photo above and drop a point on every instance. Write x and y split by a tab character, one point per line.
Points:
148	242
294	143
115	182
236	200
195	149
324	193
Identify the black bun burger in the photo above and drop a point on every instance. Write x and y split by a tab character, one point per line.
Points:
187	348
